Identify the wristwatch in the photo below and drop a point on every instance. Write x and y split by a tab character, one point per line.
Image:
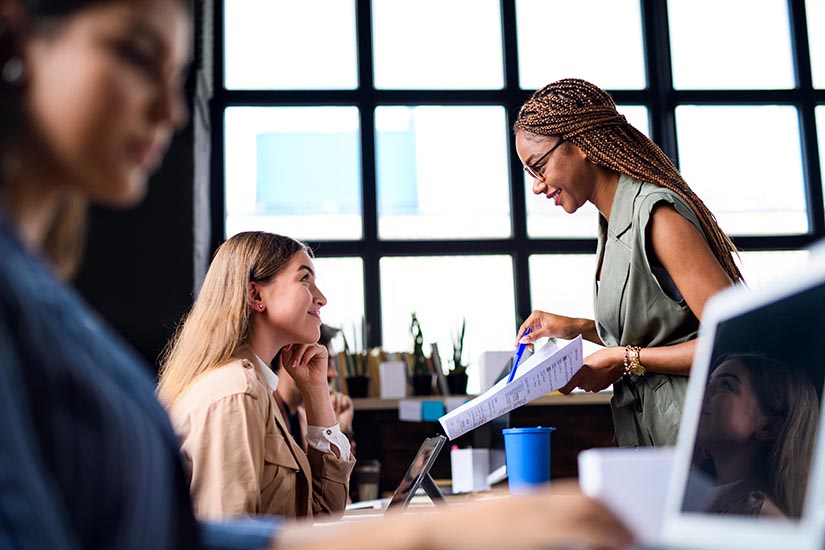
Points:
632	365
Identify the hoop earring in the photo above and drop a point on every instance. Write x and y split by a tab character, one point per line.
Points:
13	71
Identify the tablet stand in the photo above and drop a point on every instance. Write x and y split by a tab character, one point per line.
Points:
432	490
418	476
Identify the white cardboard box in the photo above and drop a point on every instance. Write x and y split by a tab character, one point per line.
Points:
393	377
470	468
627	480
491	364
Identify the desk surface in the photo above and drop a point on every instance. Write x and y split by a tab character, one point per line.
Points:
423	504
578	398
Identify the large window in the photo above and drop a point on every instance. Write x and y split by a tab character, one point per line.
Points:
713	50
380	132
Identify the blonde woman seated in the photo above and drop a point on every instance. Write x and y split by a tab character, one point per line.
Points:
258	301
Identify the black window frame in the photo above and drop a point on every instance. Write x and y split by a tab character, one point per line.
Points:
660	98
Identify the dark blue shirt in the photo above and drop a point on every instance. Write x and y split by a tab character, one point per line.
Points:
88	457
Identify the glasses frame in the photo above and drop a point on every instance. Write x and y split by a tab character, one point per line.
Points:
539	174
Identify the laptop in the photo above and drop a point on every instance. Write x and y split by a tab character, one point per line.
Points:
748	471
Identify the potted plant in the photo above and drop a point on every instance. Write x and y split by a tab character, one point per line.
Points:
457	377
355	365
423	376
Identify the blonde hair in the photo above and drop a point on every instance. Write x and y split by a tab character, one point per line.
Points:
585	115
219	321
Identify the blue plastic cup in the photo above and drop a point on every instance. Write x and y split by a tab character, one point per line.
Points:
527	452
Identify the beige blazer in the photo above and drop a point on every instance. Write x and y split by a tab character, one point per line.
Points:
240	454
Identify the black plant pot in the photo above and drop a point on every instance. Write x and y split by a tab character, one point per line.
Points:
457	383
423	384
358	386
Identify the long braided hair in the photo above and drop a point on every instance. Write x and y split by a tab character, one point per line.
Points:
586	115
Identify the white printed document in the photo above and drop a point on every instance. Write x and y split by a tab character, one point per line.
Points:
549	369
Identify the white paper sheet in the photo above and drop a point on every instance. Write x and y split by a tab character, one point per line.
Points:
549	369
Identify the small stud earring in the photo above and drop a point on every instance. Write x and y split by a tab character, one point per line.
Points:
13	71
261	307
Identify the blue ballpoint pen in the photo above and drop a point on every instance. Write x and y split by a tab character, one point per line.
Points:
519	353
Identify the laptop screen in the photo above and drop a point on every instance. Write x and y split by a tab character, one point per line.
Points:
749	465
757	426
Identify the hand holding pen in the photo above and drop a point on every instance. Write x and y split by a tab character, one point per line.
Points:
550	325
519	353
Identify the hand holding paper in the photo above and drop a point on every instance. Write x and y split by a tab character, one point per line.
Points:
549	369
602	368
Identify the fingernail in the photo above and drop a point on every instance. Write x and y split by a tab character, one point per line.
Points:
524	340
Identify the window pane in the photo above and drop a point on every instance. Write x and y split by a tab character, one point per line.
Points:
575	273
444	44
442	172
342	282
637	116
294	170
545	220
443	290
751	183
287	45
712	49
762	268
820	133
607	35
815	11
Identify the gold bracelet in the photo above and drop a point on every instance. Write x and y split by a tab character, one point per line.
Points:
632	363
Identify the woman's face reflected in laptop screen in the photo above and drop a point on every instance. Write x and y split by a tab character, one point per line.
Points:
757	426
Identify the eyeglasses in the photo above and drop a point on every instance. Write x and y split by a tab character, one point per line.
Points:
538	174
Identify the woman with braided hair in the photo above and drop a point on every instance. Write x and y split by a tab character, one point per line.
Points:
661	254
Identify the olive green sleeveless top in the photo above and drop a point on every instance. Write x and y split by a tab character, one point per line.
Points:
636	303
